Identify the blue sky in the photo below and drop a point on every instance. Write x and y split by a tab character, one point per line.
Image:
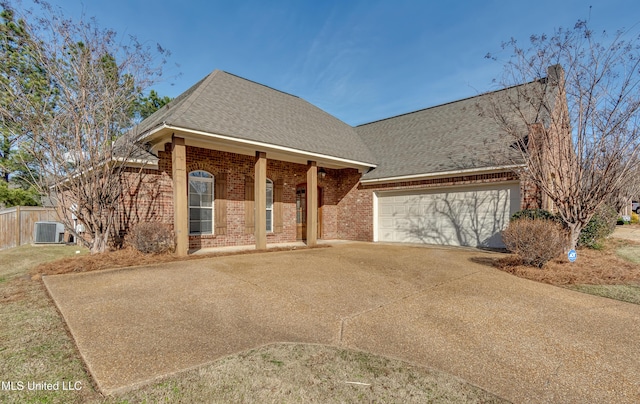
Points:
358	60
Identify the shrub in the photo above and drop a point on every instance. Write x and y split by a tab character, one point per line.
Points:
151	238
601	225
535	214
535	241
634	217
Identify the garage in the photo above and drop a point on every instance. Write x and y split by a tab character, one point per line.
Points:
458	216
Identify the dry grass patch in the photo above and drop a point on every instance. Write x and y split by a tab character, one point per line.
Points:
630	253
625	293
311	374
34	344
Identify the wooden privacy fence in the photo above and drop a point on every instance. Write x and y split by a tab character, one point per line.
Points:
17	223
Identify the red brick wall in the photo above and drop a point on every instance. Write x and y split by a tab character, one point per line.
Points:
146	196
530	195
154	196
347	205
237	167
355	208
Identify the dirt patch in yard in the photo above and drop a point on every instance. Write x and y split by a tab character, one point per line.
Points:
593	267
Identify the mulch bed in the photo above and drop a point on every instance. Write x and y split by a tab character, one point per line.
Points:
129	257
593	267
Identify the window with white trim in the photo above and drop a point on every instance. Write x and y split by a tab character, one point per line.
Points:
200	202
269	205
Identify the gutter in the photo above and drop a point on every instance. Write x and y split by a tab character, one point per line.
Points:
417	177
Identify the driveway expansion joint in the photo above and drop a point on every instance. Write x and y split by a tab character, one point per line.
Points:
419	292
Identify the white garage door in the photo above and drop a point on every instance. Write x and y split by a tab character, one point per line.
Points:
470	216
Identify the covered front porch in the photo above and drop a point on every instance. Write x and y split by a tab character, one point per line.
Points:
259	196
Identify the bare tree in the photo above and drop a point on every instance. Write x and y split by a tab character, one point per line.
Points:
576	123
78	144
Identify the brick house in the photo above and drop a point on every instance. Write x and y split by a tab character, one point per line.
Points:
233	162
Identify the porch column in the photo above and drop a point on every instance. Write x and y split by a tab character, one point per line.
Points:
180	207
260	198
312	203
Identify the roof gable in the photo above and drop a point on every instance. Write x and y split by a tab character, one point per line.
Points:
225	104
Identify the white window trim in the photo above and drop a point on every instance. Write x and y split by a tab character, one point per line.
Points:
211	180
269	209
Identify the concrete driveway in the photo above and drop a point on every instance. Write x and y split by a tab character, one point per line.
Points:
438	307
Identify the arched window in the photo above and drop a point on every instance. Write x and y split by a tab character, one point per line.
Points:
200	202
269	205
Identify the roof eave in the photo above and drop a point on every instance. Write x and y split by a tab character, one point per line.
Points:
155	133
442	174
137	162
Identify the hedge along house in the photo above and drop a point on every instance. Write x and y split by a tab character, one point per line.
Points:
234	162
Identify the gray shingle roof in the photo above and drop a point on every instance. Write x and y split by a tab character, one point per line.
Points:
127	148
449	137
225	104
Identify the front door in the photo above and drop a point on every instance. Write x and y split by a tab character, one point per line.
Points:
301	212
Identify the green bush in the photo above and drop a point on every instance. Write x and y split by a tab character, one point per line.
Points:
601	225
535	241
535	214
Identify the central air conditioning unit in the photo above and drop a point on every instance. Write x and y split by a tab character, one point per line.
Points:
48	232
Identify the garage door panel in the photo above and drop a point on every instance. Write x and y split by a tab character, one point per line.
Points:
385	210
399	210
470	217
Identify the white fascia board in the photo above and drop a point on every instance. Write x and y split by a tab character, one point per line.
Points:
151	132
263	146
131	162
417	177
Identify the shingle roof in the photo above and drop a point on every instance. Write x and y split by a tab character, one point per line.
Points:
225	104
126	147
449	137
